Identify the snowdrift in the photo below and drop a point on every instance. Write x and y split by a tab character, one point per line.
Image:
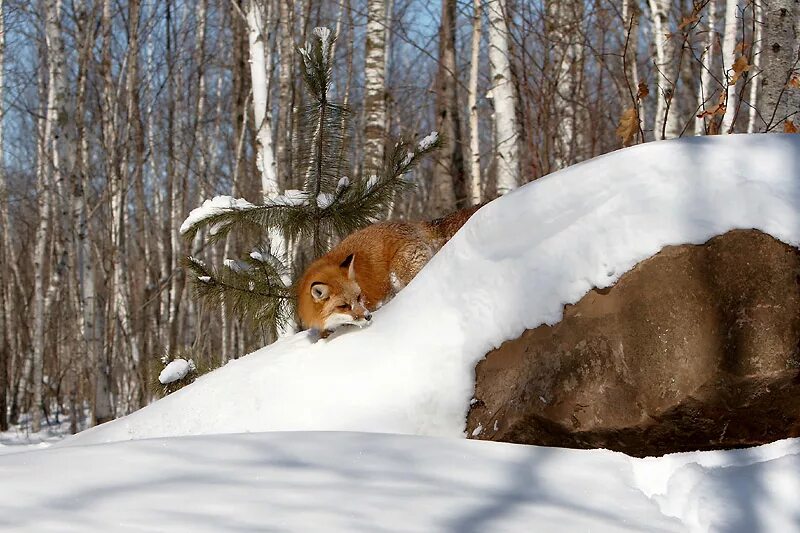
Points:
368	482
514	266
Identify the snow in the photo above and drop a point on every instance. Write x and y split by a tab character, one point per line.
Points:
204	279
175	370
344	182
513	266
428	140
370	482
324	199
215	206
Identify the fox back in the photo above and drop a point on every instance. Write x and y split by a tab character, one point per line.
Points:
367	268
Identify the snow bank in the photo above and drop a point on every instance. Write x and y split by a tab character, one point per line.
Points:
513	266
369	482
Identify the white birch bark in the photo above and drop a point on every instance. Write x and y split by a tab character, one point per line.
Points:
502	91
778	101
630	17
287	52
5	296
705	88
666	68
48	162
375	87
260	54
758	15
564	19
729	37
472	104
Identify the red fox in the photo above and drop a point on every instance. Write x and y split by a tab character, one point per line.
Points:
367	268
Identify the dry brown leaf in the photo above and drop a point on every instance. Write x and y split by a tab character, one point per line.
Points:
794	82
718	109
739	66
643	90
789	127
628	126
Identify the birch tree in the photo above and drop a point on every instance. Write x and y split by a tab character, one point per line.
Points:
449	181
729	40
667	123
375	86
506	149
704	89
5	299
631	14
758	29
563	19
472	104
258	14
780	97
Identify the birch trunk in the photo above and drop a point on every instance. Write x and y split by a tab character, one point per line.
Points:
258	16
666	125
472	104
704	94
779	102
286	50
375	87
758	30
449	173
631	14
729	37
49	169
103	411
502	91
5	242
564	33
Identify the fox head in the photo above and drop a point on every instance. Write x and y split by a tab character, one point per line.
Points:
333	297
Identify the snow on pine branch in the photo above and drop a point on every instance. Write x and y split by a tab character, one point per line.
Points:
213	207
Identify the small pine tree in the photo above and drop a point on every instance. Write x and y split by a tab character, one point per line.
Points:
328	207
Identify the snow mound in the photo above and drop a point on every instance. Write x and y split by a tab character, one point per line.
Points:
513	266
175	370
367	482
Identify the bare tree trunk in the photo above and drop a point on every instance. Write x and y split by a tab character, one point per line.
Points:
286	50
5	242
506	133
49	174
704	89
631	13
758	32
103	411
729	38
258	16
449	175
564	19
779	102
472	104
375	87
667	124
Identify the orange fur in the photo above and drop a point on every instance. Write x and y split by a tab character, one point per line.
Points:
368	267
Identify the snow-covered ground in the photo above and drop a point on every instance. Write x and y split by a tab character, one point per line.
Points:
370	482
513	266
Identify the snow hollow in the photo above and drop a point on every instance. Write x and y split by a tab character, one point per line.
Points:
514	266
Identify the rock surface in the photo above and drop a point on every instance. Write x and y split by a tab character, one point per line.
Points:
697	347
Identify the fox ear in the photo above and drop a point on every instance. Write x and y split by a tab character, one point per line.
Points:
320	291
348	263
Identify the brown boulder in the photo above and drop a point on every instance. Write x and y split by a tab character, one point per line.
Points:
697	347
